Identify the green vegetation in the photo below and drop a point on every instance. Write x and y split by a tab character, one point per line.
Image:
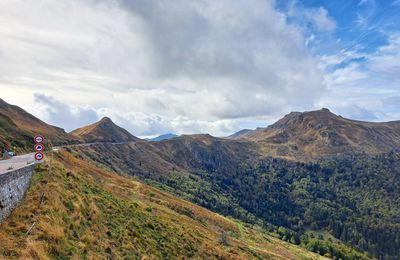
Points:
89	213
344	207
353	199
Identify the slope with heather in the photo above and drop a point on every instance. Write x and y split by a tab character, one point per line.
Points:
90	213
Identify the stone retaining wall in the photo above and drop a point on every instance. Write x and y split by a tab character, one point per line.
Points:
13	186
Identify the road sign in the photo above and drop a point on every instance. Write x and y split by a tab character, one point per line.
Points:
39	156
39	147
39	139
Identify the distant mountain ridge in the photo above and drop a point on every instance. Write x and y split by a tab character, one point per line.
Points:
321	132
104	131
298	135
162	137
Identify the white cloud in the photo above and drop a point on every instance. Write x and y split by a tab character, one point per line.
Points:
201	66
316	17
387	60
59	113
368	88
320	18
343	56
349	74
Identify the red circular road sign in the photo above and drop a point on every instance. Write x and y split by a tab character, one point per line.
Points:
39	139
39	147
39	156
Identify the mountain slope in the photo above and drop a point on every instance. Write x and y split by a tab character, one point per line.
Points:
31	125
89	213
184	154
162	137
104	131
322	133
13	138
351	198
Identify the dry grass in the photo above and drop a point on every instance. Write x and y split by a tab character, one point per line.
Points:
89	213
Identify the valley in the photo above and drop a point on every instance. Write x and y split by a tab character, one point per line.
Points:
215	130
284	197
90	213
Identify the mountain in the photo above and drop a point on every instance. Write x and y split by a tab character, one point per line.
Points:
240	134
104	131
90	213
336	205
17	121
322	133
14	138
162	137
347	199
184	154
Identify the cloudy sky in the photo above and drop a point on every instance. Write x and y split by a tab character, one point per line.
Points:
199	66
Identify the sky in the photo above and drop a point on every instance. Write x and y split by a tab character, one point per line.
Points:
199	66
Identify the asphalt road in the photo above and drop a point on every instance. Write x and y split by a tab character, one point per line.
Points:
16	162
21	161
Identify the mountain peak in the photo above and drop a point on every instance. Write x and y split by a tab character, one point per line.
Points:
321	132
321	116
106	120
104	130
321	112
325	110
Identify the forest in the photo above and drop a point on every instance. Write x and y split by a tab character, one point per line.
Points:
354	199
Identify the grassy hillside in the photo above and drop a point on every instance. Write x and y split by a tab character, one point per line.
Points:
13	138
89	213
329	206
31	125
354	199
